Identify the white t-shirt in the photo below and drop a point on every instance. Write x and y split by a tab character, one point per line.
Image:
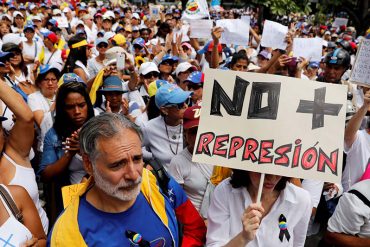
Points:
94	67
32	51
54	59
352	215
357	158
228	205
161	143
192	175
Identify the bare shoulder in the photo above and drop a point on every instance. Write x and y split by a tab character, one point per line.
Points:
19	194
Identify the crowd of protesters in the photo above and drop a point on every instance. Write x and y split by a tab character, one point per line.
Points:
100	107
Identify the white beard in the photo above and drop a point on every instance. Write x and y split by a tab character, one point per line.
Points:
124	191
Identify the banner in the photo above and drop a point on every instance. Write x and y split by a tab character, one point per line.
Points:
272	124
195	9
360	73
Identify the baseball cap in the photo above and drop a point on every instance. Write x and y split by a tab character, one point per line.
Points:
314	65
135	29
196	77
170	94
209	47
187	45
66	10
51	36
154	86
9	47
182	67
265	54
111	55
120	28
53	22
28	27
17	13
109	35
119	39
5	56
12	38
168	57
191	117
57	12
36	17
112	84
139	42
148	67
72	77
135	16
101	40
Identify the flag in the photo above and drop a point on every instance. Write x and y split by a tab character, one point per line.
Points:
216	5
196	9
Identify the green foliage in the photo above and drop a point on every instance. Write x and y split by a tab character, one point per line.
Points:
285	7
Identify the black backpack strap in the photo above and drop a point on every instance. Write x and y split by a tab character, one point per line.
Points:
360	196
161	174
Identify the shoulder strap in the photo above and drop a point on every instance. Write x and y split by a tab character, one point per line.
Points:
360	196
11	204
161	174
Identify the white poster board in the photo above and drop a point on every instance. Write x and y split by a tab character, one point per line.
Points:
236	31
154	11
340	22
360	73
272	124
62	21
274	35
309	48
201	29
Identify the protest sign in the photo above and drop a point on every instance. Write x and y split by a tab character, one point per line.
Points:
236	31
195	10
200	29
360	73
309	48
62	21
274	35
154	11
340	22
272	124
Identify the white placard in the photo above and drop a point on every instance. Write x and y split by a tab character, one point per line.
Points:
309	48
236	31
361	69
274	35
297	131
340	22
201	29
154	11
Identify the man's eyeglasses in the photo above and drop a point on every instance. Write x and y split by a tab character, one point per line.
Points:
194	86
177	106
50	80
151	75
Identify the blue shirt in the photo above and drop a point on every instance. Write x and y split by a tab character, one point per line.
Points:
99	228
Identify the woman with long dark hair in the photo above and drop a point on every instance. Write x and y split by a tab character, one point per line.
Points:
77	58
61	162
235	218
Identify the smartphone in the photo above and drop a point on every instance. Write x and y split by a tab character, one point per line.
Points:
121	57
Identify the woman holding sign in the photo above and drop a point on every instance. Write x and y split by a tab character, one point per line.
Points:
280	219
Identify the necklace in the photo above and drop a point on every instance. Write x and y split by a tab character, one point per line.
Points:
173	137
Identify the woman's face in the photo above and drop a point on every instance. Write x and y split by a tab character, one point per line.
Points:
29	33
16	59
76	108
19	21
5	69
49	85
175	112
4	29
268	185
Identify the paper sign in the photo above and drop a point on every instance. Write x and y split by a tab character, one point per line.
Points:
361	69
274	35
154	11
62	21
201	29
340	22
272	124
309	48
236	31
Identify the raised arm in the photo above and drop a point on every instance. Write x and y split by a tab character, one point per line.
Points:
355	122
21	136
215	58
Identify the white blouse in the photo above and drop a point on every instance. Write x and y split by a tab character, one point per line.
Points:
228	205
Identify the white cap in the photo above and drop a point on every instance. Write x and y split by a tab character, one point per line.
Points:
66	10
148	67
111	55
37	17
79	22
110	13
136	16
32	6
7	16
182	67
15	13
12	38
57	12
109	35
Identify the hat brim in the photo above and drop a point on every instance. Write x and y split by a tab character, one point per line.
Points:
188	124
55	70
109	62
179	97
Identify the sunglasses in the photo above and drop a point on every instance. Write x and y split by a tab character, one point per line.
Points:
177	106
194	86
103	45
151	75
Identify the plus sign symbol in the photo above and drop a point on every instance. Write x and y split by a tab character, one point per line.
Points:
318	108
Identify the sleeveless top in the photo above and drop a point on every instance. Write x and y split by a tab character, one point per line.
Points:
12	232
26	178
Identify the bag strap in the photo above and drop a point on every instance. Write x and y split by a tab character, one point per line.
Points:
360	196
11	204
